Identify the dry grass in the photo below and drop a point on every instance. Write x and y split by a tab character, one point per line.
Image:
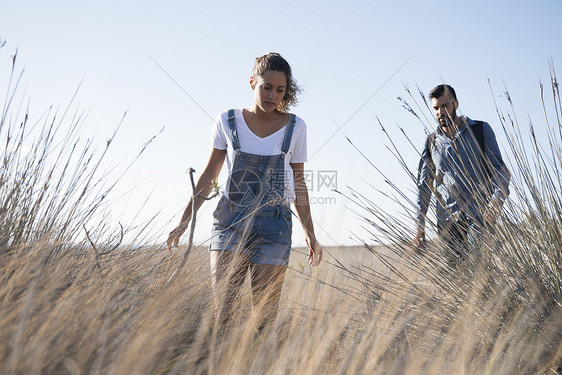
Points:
367	310
63	314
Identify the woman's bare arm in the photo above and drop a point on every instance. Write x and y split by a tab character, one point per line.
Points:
302	205
203	187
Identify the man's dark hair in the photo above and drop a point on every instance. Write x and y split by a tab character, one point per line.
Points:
438	92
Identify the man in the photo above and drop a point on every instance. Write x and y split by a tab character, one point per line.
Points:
462	164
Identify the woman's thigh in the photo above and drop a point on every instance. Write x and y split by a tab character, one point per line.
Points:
267	277
228	266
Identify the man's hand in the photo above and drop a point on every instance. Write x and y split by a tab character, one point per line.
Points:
174	236
419	239
493	211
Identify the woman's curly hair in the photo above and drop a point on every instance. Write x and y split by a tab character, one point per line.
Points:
274	61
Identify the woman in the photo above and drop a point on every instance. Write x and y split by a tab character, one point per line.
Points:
265	148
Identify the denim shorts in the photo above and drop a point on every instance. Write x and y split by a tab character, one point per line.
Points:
263	234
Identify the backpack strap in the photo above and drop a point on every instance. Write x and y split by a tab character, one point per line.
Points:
478	132
429	144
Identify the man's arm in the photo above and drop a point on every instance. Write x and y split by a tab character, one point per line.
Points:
424	182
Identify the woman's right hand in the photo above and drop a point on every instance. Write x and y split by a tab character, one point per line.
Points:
203	188
174	236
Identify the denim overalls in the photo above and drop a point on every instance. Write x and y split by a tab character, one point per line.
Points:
254	218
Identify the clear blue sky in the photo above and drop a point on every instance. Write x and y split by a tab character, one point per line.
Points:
341	53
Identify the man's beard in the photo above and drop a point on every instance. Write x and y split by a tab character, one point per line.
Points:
449	120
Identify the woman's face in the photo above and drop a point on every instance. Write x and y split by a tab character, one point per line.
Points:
269	90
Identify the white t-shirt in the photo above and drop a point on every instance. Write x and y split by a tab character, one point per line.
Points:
270	145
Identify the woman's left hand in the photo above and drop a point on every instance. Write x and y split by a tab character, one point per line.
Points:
314	252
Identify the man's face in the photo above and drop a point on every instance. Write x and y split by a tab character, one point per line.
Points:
445	109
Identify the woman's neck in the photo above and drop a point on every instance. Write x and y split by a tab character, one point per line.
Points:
257	112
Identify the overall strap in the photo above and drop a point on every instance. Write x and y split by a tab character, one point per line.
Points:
233	132
288	134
